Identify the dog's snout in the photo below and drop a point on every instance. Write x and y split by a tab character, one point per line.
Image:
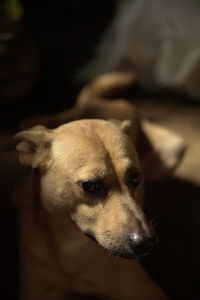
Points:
141	244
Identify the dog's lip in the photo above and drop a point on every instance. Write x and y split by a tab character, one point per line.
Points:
91	236
127	254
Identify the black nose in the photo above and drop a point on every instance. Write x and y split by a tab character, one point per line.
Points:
141	244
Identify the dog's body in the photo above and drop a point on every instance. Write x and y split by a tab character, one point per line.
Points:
85	180
54	212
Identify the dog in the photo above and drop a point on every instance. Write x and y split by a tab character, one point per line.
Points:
80	218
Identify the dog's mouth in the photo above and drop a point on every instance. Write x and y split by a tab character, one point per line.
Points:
91	236
120	252
128	254
131	251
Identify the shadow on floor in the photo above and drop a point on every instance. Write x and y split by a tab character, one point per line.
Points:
173	205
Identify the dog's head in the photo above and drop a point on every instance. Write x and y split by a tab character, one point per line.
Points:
90	171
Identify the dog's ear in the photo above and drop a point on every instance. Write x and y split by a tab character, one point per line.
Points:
130	127
124	125
160	150
33	146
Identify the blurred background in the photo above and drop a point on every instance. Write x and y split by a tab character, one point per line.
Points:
49	50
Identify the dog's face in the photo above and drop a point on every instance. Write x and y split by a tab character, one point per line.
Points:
90	171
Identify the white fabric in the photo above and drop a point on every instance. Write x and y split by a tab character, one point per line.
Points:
159	39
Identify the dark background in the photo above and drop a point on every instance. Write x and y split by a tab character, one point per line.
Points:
41	48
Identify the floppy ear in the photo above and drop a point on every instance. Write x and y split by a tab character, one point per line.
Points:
33	146
160	150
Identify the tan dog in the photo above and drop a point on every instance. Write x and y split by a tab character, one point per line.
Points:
84	180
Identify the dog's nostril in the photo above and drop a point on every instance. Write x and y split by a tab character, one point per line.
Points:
142	244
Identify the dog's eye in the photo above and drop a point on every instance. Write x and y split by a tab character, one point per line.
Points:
91	186
134	177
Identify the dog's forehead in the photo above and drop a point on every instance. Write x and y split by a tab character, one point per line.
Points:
92	147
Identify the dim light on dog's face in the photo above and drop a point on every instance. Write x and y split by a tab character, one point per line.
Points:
95	177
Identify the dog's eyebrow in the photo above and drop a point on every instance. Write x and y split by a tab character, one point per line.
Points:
92	174
92	178
127	166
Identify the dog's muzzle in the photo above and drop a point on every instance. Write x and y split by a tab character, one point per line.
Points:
135	246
